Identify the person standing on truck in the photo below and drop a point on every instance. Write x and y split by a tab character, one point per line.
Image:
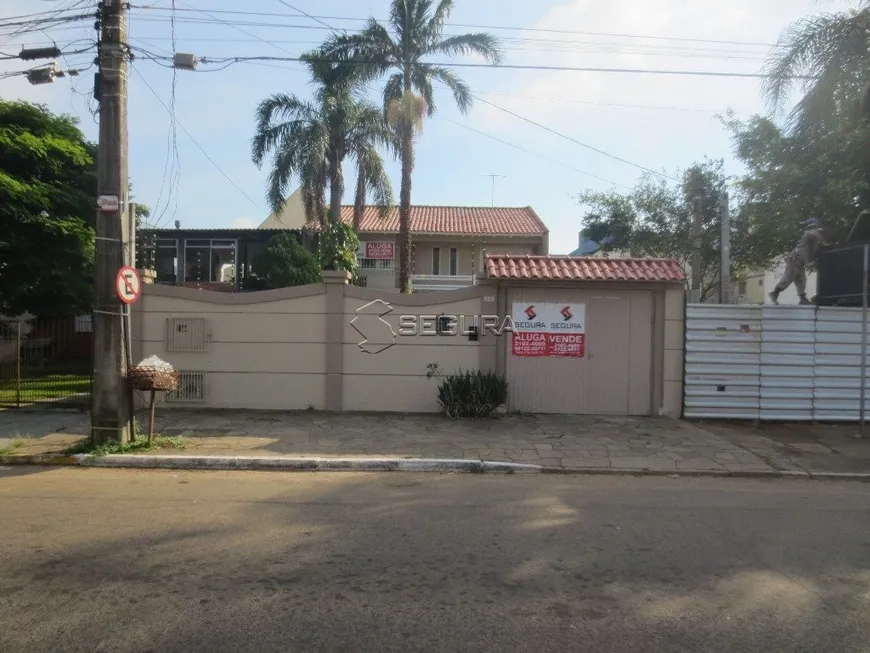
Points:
796	262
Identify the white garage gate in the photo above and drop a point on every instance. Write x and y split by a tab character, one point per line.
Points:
614	374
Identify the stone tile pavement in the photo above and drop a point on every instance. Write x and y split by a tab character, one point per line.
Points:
567	442
562	442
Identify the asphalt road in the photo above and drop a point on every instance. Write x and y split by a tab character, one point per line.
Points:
105	560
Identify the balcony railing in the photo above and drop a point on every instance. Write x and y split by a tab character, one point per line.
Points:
440	282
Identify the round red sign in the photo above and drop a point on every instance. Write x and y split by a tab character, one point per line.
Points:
128	284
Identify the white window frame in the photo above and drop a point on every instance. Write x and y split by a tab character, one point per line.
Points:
453	261
436	258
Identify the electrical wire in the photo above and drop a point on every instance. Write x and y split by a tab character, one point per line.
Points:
235	27
320	20
453	64
27	27
599	104
196	143
591	49
299	11
557	45
574	140
540	156
172	162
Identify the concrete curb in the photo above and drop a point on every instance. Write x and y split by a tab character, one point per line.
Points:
287	463
386	464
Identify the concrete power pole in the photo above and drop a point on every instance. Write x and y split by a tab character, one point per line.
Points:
725	263
695	295
111	406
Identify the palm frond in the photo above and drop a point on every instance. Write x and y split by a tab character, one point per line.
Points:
366	55
480	43
461	91
359	198
399	18
284	165
823	55
301	156
276	117
378	181
327	72
314	178
422	82
367	126
440	16
393	91
372	178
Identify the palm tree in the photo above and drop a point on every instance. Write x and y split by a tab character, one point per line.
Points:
415	33
830	55
311	140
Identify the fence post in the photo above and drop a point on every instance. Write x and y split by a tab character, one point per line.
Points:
864	334
18	365
335	286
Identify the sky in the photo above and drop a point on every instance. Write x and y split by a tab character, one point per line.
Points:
202	174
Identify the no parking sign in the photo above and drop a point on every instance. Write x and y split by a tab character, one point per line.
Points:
128	284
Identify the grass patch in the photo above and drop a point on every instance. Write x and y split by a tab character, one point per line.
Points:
138	445
10	448
46	388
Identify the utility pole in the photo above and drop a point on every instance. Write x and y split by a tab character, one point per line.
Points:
111	406
725	262
695	295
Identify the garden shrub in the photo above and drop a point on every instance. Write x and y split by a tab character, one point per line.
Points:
471	394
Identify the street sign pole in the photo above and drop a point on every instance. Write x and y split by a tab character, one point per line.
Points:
110	409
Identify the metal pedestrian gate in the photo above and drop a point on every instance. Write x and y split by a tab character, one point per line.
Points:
45	361
786	363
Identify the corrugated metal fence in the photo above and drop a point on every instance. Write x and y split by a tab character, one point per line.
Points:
795	363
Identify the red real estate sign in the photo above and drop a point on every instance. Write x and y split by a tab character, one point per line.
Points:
380	251
557	330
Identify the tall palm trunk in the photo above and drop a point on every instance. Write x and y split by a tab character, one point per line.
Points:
336	191
407	154
405	209
359	199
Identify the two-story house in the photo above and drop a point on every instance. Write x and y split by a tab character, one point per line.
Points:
449	242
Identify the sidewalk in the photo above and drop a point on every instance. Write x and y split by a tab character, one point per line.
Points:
558	443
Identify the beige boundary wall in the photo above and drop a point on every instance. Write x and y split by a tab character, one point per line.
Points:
295	348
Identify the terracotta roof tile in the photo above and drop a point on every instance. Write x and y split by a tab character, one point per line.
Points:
471	220
572	268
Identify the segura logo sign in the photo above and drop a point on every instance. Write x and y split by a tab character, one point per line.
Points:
454	325
374	323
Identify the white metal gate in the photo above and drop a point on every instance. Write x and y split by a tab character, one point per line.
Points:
794	363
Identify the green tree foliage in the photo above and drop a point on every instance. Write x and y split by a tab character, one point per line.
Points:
792	177
655	219
412	35
47	212
818	165
311	140
284	262
338	247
